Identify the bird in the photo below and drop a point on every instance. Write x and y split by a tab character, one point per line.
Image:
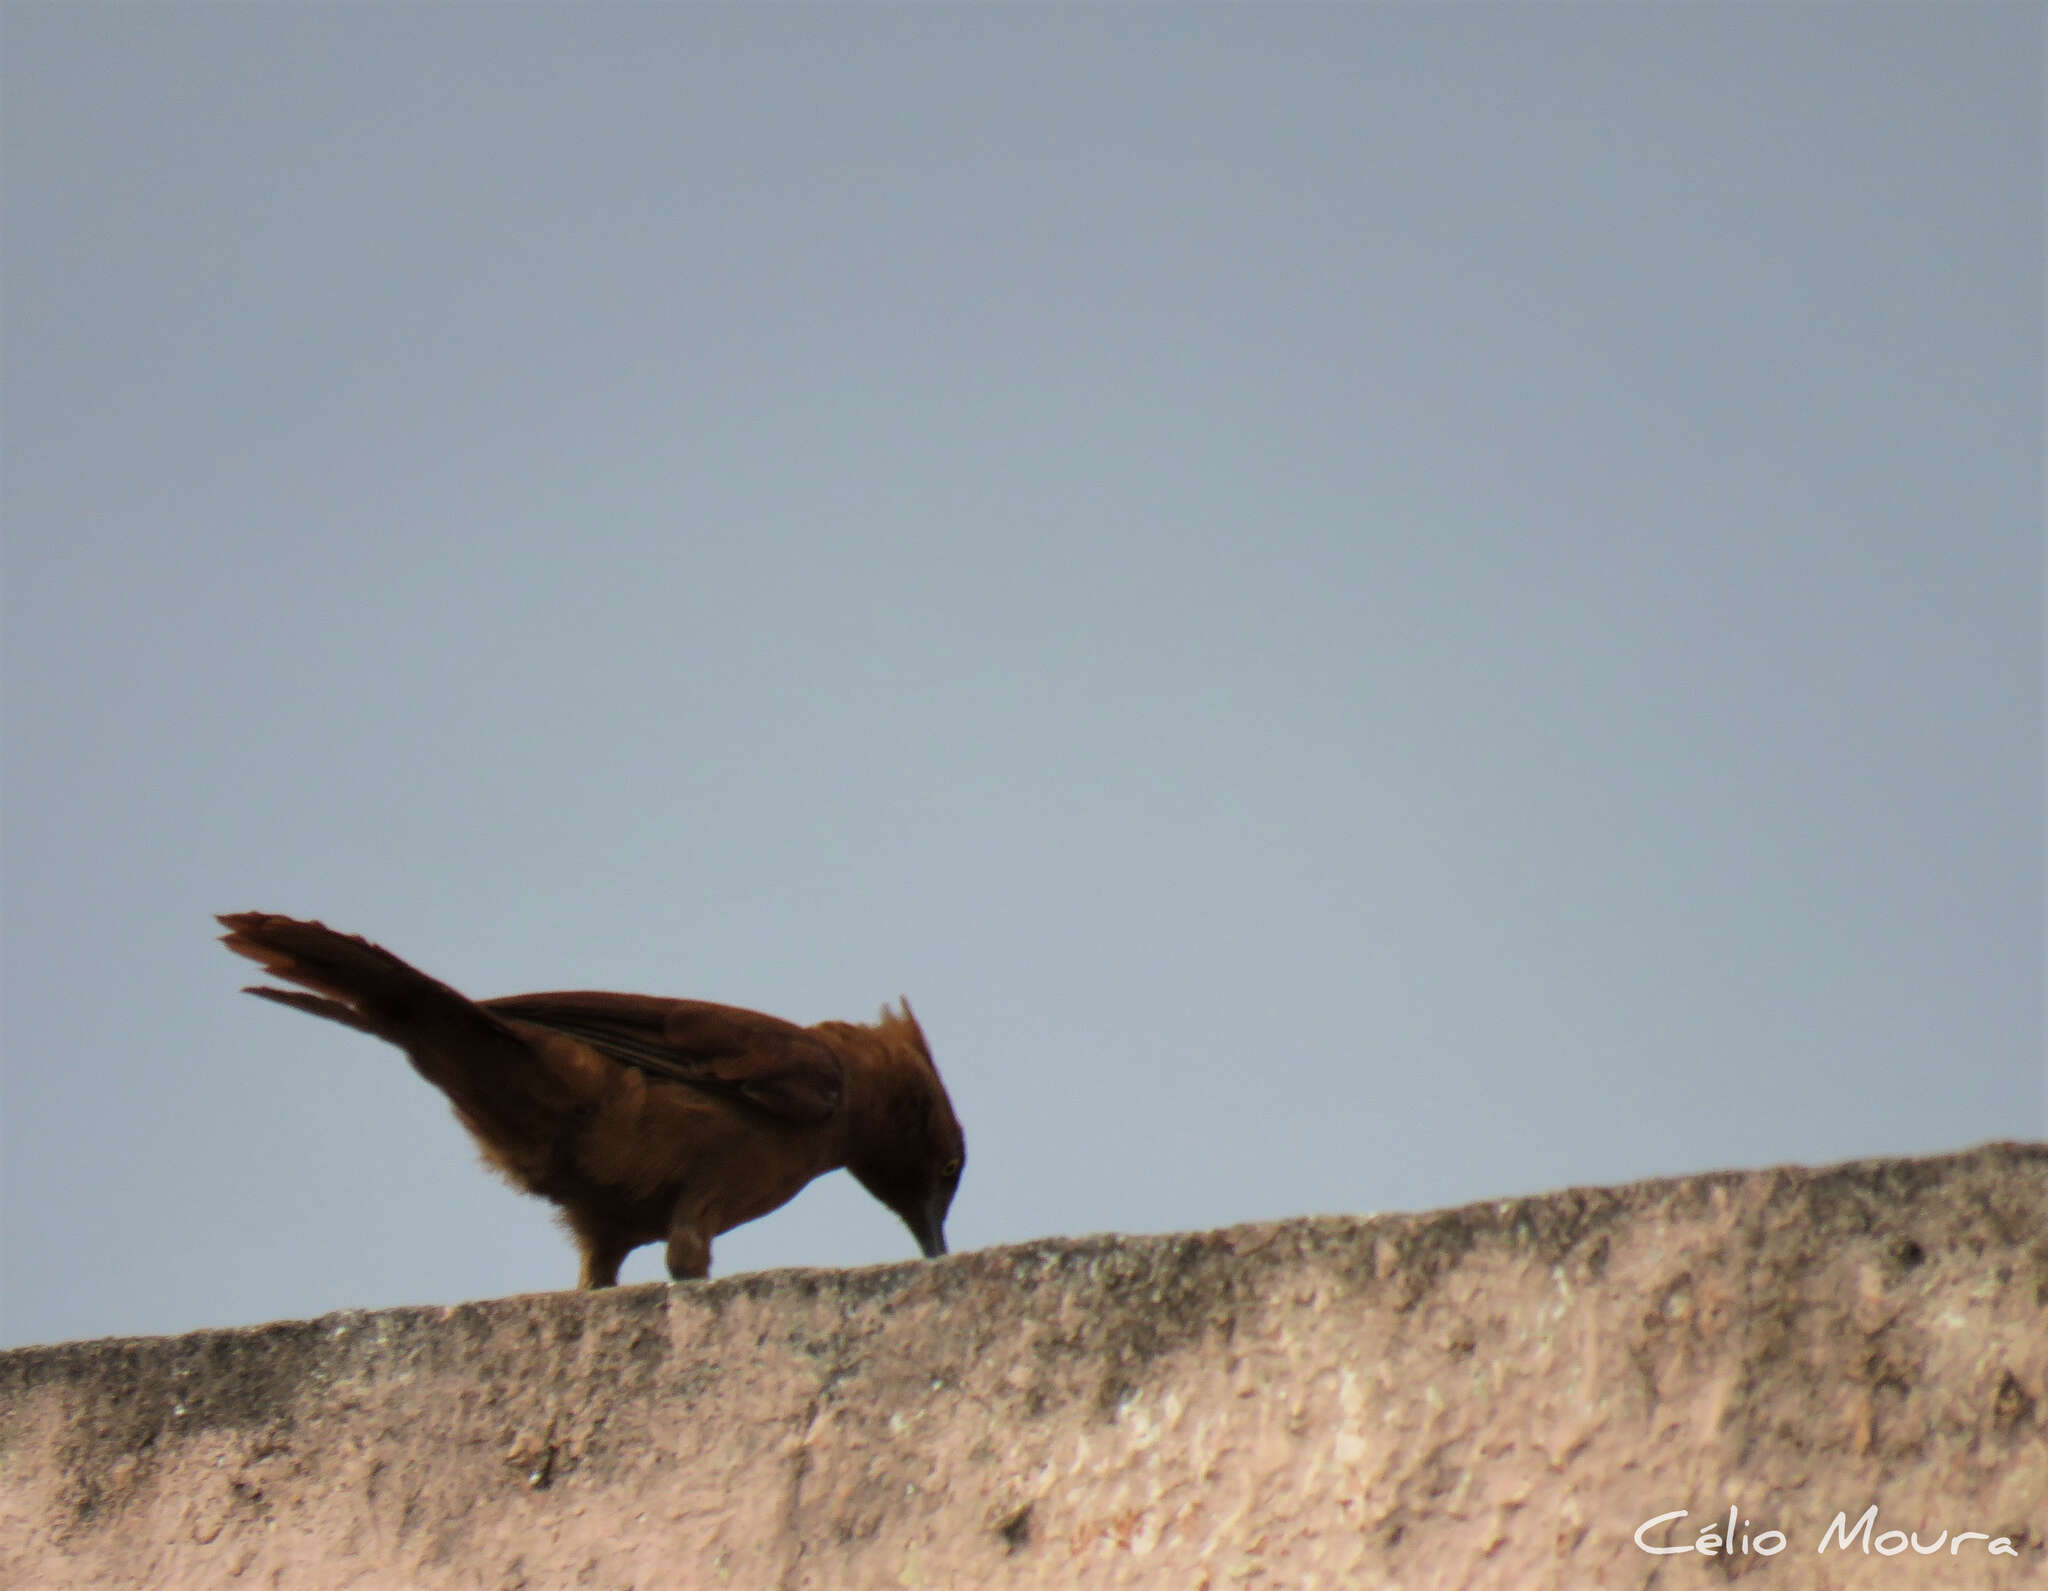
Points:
643	1119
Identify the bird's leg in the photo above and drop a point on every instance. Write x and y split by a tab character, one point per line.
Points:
689	1249
601	1260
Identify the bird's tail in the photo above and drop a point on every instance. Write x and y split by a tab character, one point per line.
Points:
493	1075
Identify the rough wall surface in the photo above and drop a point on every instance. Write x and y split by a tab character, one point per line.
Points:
1496	1396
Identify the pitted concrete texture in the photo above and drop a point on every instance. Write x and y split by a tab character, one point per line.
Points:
1496	1396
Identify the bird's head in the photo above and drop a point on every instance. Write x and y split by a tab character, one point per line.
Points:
906	1147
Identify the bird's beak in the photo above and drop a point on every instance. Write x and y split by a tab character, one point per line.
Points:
930	1230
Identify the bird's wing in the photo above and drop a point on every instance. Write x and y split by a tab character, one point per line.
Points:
776	1066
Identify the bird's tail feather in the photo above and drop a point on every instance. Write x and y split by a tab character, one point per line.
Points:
491	1073
314	1005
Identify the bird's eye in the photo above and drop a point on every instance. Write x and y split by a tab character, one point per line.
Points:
950	1169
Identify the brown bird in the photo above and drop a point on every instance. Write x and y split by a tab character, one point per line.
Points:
644	1118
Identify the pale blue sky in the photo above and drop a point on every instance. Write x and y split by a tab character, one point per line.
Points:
1367	607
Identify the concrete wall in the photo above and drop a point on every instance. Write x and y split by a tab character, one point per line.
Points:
1492	1396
